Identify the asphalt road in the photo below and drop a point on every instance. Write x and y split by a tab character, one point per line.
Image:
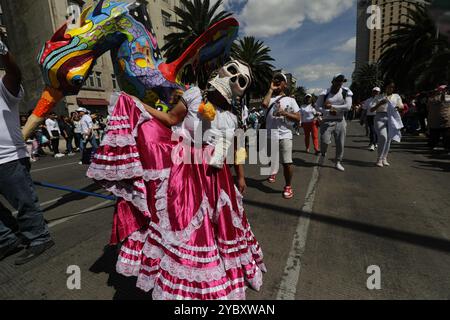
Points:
318	245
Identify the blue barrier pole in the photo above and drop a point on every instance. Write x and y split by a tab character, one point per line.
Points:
91	194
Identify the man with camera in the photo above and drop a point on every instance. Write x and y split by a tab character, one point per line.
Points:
29	230
282	113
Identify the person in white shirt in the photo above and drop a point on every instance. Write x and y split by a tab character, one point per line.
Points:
382	120
16	185
370	116
87	132
333	104
77	130
282	113
310	124
55	133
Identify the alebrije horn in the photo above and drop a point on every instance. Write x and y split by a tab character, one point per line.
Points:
50	97
98	8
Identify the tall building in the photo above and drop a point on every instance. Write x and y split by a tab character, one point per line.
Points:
382	14
161	13
31	23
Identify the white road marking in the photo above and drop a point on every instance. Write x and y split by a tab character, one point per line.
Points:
59	166
73	216
291	275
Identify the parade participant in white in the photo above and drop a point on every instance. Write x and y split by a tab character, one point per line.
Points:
383	125
367	105
333	103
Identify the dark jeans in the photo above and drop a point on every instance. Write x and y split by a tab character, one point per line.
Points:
18	189
69	146
55	145
77	137
93	143
435	136
372	133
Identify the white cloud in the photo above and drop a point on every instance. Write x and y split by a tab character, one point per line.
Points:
315	91
315	72
265	18
348	46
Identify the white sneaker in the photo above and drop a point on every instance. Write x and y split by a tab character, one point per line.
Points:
385	163
71	154
59	155
339	166
376	146
80	163
372	147
379	164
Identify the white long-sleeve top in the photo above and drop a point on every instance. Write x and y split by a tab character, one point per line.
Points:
308	113
394	122
52	125
338	102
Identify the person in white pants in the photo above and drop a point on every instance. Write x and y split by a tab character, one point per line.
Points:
382	121
332	104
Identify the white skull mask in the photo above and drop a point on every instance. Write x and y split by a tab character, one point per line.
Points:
232	81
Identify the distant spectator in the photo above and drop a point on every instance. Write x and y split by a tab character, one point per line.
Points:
88	135
439	117
55	133
67	130
76	130
370	117
310	124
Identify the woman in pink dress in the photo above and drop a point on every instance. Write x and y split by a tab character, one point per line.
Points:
179	216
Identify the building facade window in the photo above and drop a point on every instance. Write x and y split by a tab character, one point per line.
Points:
165	18
114	81
98	78
91	81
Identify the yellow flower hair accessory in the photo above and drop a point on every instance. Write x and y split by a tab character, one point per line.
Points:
207	110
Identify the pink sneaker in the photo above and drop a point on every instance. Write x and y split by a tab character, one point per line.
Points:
288	193
271	179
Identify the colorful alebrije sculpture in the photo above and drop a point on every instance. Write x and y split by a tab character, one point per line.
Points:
124	29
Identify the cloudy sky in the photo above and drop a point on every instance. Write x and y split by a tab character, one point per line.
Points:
313	39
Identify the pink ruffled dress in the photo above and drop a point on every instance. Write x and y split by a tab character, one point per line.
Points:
183	228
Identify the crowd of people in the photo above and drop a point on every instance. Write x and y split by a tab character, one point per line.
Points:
75	131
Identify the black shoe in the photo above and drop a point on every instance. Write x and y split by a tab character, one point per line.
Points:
11	249
34	252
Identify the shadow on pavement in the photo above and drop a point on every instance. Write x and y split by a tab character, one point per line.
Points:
73	196
303	163
125	287
429	242
437	165
259	185
359	163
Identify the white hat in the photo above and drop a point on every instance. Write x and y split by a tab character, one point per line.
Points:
376	89
308	95
82	110
279	74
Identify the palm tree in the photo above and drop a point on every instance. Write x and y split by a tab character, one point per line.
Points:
408	52
365	79
195	17
257	56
